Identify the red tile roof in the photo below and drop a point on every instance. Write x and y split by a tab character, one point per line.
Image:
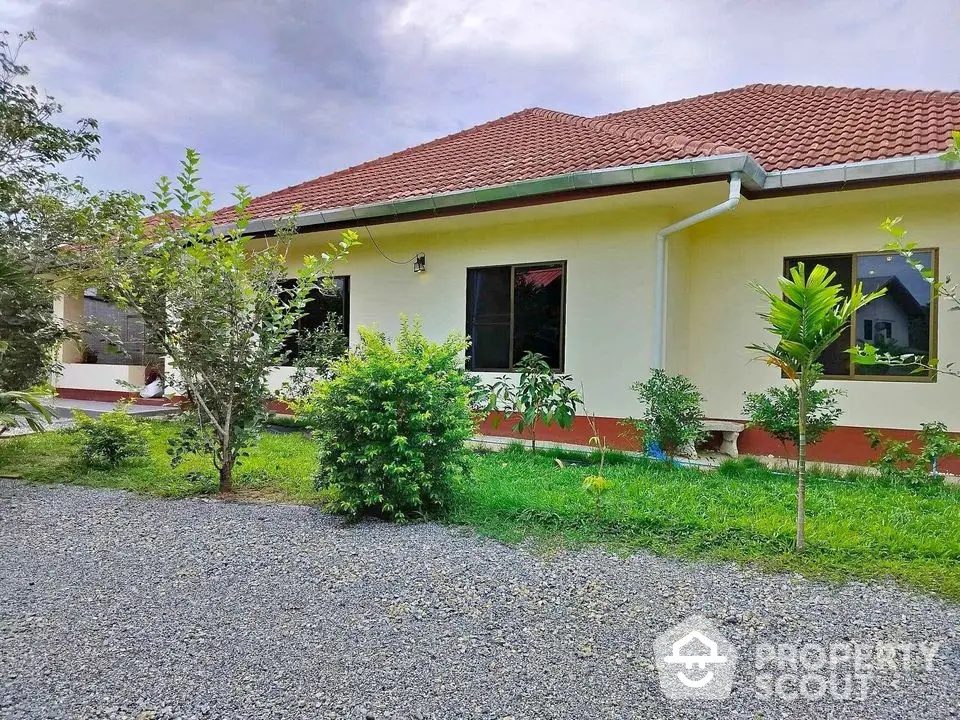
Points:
529	144
781	126
794	126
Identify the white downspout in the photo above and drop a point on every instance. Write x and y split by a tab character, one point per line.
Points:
660	301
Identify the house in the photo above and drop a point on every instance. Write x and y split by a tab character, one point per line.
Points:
625	242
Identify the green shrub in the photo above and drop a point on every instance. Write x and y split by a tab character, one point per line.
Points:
673	417
899	463
392	422
110	440
777	410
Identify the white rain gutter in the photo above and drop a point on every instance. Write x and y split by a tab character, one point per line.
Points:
755	179
660	299
691	169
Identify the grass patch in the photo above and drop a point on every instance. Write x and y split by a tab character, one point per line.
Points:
280	467
857	526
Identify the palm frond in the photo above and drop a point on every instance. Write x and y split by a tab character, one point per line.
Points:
18	406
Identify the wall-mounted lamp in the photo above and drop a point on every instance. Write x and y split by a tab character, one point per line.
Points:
420	263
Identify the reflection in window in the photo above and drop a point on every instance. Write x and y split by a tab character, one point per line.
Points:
898	323
320	306
114	336
512	310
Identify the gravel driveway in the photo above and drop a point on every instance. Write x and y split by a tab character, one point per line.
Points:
112	605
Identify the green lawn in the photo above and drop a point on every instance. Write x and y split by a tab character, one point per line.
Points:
858	526
281	467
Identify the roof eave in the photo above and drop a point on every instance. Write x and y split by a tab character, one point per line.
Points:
756	182
864	171
718	166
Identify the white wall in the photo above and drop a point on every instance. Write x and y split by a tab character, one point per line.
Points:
100	377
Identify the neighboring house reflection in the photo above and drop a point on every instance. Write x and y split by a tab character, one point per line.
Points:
898	320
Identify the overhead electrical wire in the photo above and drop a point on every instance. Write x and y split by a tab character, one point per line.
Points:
385	256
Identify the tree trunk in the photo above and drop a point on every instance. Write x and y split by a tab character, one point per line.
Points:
226	476
227	459
801	461
533	439
226	464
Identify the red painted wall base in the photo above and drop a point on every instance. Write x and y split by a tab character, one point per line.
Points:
107	396
844	444
617	435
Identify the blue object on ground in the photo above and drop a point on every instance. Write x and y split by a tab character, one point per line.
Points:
654	451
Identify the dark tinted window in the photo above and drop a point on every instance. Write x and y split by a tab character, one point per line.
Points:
514	309
834	359
320	306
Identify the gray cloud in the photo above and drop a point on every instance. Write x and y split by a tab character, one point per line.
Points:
274	92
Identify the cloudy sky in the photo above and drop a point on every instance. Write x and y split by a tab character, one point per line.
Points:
274	92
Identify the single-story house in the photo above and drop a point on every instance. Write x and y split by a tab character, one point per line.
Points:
625	242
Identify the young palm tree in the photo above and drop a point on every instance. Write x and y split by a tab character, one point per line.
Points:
18	406
810	315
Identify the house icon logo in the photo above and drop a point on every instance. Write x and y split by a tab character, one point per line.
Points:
695	661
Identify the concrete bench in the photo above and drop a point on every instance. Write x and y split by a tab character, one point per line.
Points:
731	432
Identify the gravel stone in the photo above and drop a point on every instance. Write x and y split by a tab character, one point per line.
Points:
123	607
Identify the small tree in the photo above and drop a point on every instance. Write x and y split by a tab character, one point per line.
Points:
213	300
899	463
316	350
807	316
41	212
673	418
777	410
540	395
597	485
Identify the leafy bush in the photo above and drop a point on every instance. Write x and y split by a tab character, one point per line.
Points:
777	410
291	422
540	395
110	440
392	422
673	418
899	463
317	349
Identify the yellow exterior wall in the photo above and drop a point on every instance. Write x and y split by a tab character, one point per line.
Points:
751	243
608	245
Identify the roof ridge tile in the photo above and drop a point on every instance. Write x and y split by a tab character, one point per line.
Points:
675	141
